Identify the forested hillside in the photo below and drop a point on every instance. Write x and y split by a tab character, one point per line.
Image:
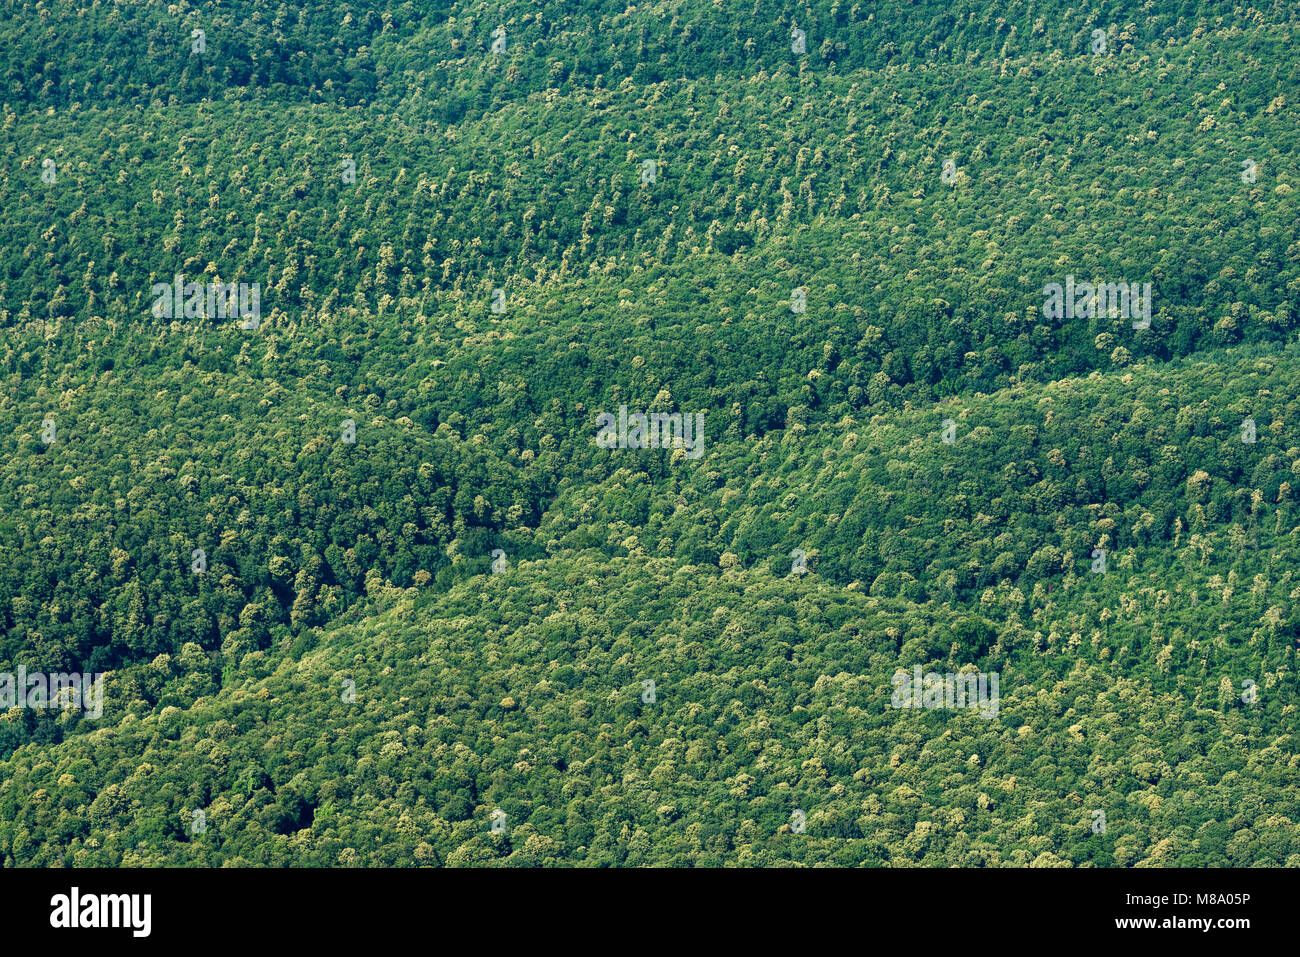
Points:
366	588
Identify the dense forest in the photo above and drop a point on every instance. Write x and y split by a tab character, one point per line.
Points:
366	590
